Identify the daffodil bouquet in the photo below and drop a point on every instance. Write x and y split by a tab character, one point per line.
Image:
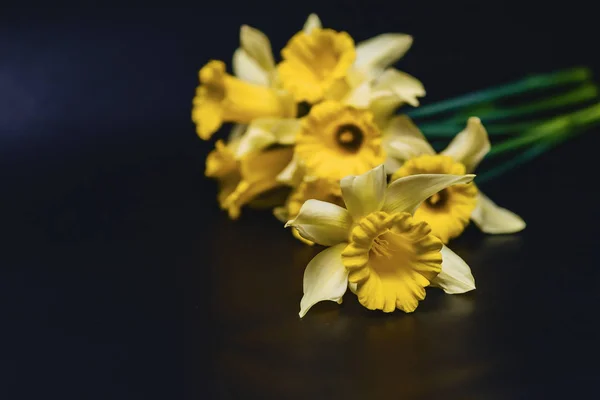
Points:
317	138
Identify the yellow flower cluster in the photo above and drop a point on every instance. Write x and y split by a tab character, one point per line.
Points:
316	137
313	118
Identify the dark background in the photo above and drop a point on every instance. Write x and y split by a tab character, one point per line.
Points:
121	279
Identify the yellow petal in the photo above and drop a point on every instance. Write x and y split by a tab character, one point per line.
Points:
470	145
406	87
360	96
256	44
491	218
221	165
364	194
325	278
376	54
220	161
206	114
383	104
402	139
456	276
311	23
406	194
263	132
323	223
293	174
247	69
258	175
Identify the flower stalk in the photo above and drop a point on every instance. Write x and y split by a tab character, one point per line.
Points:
532	83
447	128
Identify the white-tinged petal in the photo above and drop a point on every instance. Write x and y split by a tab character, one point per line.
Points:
405	86
311	23
374	55
353	287
293	174
359	97
402	139
391	165
247	69
264	132
491	218
258	47
407	193
383	105
470	145
325	278
323	223
364	194
456	276
236	132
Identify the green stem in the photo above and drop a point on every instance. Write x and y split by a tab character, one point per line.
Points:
579	95
447	130
535	82
555	129
442	130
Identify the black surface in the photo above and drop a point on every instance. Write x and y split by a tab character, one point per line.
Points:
120	279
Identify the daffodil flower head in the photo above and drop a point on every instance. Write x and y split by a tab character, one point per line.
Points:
223	98
449	211
376	244
336	140
314	61
244	180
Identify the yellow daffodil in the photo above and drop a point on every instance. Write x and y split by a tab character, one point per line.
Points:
337	140
376	246
223	98
322	64
449	211
314	62
243	181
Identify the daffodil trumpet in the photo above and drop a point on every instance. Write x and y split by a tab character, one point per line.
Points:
376	247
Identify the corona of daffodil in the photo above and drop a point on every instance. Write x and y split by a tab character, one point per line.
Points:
449	211
376	247
336	140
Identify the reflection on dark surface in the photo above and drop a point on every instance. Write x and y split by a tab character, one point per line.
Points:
447	346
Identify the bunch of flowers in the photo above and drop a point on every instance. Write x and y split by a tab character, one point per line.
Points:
317	137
